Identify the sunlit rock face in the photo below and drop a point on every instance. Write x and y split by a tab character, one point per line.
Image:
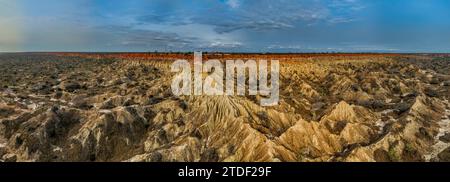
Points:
119	107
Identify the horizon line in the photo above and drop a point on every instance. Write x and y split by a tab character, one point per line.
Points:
222	52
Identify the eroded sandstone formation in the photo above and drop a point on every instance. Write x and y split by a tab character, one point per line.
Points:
107	108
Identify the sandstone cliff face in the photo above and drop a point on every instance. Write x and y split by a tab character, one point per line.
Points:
355	109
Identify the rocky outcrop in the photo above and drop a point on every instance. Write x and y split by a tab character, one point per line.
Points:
99	109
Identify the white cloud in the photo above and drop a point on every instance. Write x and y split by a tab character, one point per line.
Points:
220	44
233	3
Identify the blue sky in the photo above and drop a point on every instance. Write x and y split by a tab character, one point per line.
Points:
226	25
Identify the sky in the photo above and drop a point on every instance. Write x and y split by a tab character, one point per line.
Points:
225	25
